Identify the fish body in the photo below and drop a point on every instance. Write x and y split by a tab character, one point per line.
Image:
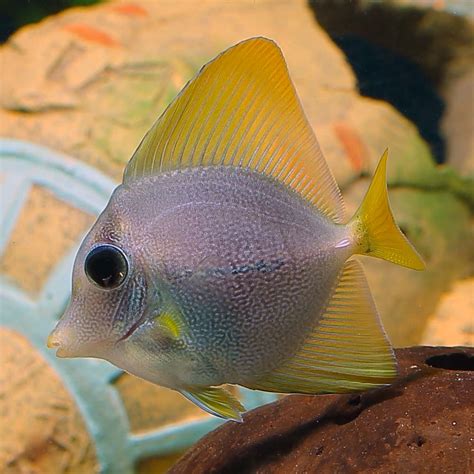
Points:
223	257
284	259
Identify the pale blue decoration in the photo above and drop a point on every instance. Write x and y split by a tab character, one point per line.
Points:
89	381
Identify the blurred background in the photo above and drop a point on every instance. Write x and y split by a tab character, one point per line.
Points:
82	81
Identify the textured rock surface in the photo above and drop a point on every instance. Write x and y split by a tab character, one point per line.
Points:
423	423
458	122
54	232
97	78
453	320
149	406
438	36
41	428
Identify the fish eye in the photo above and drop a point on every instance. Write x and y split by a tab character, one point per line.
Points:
106	266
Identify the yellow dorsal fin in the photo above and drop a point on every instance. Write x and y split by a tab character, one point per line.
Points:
348	350
241	110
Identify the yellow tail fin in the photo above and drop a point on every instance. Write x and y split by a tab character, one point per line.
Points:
376	230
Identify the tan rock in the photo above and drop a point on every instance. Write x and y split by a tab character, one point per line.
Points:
42	237
452	323
94	80
458	122
145	402
41	428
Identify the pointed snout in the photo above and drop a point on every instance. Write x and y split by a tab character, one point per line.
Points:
73	337
61	339
53	341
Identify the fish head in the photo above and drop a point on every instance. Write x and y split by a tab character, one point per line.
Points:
109	290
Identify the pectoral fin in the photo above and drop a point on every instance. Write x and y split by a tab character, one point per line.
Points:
171	324
169	320
347	350
216	401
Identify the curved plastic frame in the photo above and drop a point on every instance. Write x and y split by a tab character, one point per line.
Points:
88	380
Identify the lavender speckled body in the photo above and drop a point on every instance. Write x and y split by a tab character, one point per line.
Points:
248	263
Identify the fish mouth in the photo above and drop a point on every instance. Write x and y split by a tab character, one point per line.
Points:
55	342
63	338
65	341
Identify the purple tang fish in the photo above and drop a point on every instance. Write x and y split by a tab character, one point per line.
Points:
225	257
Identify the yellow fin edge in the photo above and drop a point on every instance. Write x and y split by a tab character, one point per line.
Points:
346	352
241	110
215	400
377	233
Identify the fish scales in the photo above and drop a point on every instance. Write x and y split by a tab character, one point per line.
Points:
268	284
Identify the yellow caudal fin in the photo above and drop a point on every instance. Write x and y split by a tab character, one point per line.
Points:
376	230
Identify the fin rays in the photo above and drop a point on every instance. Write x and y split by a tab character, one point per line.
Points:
377	232
241	110
217	401
347	351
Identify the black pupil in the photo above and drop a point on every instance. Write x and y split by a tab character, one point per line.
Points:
106	266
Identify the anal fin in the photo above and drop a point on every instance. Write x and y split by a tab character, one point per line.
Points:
216	401
347	350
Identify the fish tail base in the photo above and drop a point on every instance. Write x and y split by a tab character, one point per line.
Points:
376	232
